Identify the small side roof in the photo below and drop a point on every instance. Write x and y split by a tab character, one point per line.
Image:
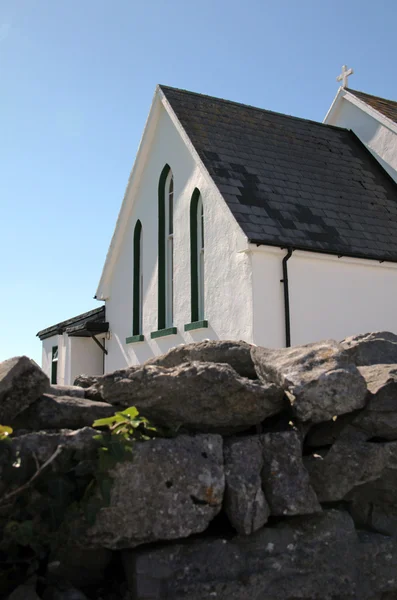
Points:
388	108
84	325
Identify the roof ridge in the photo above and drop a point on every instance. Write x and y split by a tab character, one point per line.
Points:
250	106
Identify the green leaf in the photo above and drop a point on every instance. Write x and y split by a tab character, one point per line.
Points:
103	422
131	412
5	432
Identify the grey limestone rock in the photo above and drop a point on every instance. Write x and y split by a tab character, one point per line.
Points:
25	591
21	383
284	478
326	434
62	412
82	567
85	381
66	390
236	354
317	557
368	349
373	504
350	463
206	397
245	502
379	417
171	488
32	450
319	379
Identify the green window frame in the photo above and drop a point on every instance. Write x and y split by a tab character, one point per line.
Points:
197	257
137	310
163	235
54	365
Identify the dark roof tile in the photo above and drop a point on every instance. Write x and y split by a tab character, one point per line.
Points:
296	181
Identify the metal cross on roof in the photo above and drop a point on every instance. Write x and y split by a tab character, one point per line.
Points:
344	75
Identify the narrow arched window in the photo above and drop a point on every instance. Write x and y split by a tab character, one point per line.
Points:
166	250
138	281
197	256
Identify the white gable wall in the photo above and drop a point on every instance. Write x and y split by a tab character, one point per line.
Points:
330	297
228	293
380	139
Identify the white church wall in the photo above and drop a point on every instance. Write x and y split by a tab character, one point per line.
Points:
329	297
380	139
86	358
228	304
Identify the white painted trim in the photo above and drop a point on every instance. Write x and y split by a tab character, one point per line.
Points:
129	195
344	93
320	256
334	105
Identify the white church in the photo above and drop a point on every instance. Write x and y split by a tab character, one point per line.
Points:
242	223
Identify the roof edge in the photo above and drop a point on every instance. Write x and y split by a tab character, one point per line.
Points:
60	327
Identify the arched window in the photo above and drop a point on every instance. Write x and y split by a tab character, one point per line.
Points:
166	250
197	256
138	281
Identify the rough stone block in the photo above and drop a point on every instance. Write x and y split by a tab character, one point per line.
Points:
21	383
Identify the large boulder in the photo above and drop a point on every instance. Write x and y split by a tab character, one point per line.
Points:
171	488
61	412
67	462
350	463
235	354
319	379
373	504
368	349
21	383
245	502
284	477
379	418
306	558
206	397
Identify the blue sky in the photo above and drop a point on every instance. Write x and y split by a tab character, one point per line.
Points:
76	82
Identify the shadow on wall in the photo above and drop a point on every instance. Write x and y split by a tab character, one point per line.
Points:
372	136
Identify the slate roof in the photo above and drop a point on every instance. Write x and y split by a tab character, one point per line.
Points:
388	108
81	323
292	182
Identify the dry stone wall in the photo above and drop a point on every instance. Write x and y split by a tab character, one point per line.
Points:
279	481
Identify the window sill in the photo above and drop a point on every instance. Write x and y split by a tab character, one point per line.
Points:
196	325
163	332
135	338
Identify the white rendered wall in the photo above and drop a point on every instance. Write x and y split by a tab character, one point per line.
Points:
76	356
380	139
228	304
85	358
46	356
63	357
329	297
